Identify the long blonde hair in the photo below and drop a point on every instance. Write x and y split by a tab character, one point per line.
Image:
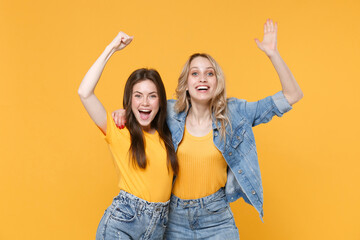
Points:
218	105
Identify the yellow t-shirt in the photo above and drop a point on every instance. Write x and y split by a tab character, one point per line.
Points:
202	168
153	183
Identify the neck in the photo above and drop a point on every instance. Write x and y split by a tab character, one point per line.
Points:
199	114
149	130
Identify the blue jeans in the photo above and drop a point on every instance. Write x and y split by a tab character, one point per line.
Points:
204	218
130	217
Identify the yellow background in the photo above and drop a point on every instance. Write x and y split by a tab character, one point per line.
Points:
56	171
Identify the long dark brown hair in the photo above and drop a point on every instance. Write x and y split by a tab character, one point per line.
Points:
137	147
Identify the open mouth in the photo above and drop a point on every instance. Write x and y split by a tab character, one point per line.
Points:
144	114
202	88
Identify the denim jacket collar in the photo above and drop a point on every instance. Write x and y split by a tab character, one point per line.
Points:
181	117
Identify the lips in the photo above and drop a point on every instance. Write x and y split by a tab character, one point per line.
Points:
202	88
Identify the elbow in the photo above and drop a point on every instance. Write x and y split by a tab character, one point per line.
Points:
83	94
299	96
294	97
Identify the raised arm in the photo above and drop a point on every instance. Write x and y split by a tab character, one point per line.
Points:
91	103
290	87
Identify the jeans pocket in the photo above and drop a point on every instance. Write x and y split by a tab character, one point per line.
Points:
123	212
217	206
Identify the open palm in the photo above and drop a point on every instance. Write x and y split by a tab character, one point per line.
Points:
269	42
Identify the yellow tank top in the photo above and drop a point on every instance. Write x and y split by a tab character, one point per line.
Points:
202	168
153	183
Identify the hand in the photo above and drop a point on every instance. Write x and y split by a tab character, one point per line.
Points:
120	41
119	118
269	42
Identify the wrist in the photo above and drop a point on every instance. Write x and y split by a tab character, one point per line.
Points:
110	49
273	54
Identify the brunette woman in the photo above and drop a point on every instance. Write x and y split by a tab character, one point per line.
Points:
143	151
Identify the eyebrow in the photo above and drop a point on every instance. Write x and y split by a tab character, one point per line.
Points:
206	68
142	93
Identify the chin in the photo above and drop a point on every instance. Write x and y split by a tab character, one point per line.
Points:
201	100
145	124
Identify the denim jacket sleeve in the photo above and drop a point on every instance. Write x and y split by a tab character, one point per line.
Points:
263	110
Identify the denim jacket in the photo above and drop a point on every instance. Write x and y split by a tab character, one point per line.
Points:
239	150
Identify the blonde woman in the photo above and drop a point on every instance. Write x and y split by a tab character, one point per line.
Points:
215	144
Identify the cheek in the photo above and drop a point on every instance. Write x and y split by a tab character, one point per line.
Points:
134	103
156	104
190	81
190	85
214	83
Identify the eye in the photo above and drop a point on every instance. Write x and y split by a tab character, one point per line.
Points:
137	96
194	73
153	96
211	74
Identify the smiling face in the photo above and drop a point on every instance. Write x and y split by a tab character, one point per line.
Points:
145	103
201	82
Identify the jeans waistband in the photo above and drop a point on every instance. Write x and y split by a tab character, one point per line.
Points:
143	205
185	203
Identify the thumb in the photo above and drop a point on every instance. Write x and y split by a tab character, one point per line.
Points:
258	43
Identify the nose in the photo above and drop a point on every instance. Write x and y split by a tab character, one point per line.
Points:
203	78
145	101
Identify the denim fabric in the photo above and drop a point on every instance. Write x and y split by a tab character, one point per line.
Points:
130	217
207	218
239	149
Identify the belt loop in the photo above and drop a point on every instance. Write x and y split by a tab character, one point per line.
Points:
201	203
140	206
176	202
164	211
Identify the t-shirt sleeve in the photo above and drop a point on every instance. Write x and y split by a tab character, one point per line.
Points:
110	128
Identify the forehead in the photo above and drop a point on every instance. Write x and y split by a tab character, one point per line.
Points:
201	62
145	86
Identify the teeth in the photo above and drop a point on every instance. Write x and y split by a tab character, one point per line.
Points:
202	88
145	110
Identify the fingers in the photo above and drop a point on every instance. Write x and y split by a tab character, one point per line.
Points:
119	118
265	28
122	118
121	122
128	40
121	41
115	117
269	26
